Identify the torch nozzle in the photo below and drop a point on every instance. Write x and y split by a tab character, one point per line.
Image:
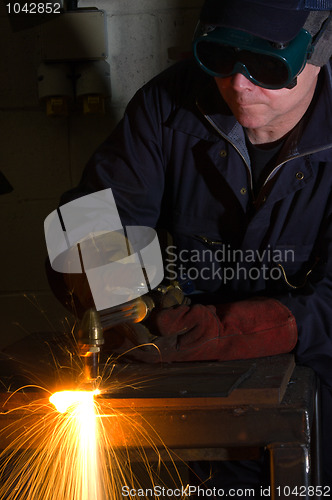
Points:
90	340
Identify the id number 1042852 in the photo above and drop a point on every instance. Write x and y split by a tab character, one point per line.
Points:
33	8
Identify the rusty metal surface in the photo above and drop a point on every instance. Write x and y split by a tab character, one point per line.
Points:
252	381
198	406
246	425
207	421
198	427
176	412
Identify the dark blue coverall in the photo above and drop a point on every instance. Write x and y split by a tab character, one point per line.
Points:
178	161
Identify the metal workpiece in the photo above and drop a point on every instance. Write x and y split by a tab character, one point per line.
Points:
245	412
230	404
206	411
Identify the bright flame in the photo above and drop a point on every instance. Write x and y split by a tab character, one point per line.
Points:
69	450
70	447
64	400
83	435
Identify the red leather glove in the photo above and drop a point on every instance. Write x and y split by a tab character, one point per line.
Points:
247	329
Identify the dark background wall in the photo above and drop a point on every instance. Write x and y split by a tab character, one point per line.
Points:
43	156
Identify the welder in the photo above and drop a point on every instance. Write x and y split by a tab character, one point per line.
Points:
229	154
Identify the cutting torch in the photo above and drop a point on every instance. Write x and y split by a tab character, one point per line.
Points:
91	329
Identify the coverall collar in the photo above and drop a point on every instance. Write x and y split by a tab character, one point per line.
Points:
310	137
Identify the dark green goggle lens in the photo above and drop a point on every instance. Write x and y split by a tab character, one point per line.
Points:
223	61
223	52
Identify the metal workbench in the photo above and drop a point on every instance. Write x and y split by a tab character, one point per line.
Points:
204	411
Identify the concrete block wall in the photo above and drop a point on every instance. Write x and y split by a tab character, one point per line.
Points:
44	156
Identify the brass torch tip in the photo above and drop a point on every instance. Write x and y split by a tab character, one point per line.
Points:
90	330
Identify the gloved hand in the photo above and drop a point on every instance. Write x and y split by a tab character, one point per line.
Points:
132	332
240	330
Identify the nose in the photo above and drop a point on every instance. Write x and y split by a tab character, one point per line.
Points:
240	82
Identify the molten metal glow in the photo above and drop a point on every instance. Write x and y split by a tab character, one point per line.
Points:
65	400
57	454
70	447
74	446
78	452
83	440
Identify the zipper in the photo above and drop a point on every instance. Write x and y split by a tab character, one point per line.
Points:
273	172
224	136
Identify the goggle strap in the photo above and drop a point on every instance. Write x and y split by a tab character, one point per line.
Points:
320	33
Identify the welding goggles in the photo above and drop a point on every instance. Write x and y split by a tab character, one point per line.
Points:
222	52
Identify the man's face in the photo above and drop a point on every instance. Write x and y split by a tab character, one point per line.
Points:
268	114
